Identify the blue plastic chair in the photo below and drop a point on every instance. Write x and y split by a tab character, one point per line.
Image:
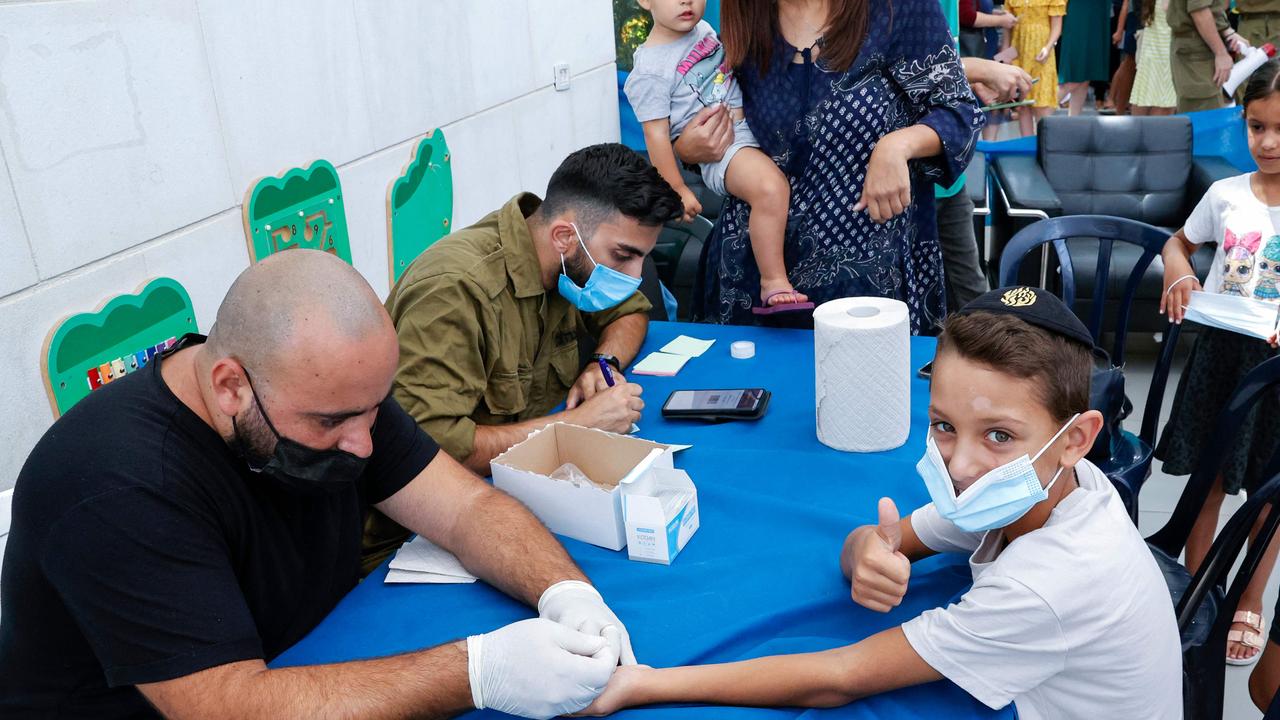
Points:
1205	609
1204	604
1130	462
1204	661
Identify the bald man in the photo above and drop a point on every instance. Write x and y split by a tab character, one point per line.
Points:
180	527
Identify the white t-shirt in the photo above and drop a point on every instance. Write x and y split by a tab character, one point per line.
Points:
1247	262
1072	620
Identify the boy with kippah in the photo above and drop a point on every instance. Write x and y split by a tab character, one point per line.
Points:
1068	616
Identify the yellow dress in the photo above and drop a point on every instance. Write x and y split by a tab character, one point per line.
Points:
1029	36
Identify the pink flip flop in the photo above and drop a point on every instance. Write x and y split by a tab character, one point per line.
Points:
768	309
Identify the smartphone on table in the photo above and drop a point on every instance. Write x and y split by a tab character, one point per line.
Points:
717	405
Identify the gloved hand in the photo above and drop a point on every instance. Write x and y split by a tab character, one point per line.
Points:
538	669
577	605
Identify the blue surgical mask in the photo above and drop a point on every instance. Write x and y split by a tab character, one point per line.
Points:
998	498
605	287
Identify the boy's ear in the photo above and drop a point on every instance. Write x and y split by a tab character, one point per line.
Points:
1080	437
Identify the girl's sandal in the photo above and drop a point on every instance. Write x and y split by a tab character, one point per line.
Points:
1254	638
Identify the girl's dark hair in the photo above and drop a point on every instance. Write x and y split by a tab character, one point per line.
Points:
1148	12
748	28
1263	82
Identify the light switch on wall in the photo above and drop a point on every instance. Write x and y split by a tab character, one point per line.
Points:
562	76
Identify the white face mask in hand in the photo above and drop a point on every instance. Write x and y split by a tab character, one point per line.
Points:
1247	316
538	669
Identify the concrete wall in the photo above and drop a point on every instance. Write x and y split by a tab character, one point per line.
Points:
130	131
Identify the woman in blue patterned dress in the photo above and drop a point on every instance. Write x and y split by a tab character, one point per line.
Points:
842	93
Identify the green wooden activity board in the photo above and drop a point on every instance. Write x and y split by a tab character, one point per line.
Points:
419	203
89	350
301	208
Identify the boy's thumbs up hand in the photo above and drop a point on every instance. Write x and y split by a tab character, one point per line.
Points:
879	572
888	529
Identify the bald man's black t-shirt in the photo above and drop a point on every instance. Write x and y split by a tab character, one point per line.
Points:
143	549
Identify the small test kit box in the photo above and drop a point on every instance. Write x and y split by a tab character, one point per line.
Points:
660	512
622	469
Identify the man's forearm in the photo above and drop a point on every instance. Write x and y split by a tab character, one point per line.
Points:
623	337
506	546
425	684
1208	30
493	440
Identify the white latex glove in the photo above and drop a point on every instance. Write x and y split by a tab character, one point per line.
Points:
577	605
538	669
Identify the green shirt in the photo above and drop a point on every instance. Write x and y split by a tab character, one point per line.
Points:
951	9
1247	7
1179	17
481	341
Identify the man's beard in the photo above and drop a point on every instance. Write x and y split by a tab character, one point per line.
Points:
252	439
578	268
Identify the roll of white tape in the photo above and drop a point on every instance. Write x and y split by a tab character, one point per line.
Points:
743	349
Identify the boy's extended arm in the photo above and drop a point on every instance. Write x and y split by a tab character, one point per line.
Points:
884	661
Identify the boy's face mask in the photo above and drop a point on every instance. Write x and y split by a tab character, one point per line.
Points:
605	287
998	498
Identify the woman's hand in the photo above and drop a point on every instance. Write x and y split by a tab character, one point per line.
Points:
1117	37
996	82
619	694
707	136
887	190
1043	55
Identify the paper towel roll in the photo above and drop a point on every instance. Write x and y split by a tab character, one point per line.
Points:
862	359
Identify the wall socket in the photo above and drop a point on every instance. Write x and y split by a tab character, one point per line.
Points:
561	76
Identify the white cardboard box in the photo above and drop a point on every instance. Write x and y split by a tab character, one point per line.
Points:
591	514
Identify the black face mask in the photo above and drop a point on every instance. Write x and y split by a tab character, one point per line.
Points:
298	467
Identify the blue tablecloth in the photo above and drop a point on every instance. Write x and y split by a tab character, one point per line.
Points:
761	576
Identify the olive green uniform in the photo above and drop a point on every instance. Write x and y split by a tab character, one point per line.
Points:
482	342
1190	59
1259	21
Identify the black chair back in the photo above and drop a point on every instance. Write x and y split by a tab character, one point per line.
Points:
1108	231
1263	380
1204	665
1127	167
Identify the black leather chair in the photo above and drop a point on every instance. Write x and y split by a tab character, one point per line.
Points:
1140	168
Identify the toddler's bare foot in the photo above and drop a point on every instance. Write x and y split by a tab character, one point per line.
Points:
780	293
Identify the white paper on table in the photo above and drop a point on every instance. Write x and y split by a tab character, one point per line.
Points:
687	346
427	562
413	576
